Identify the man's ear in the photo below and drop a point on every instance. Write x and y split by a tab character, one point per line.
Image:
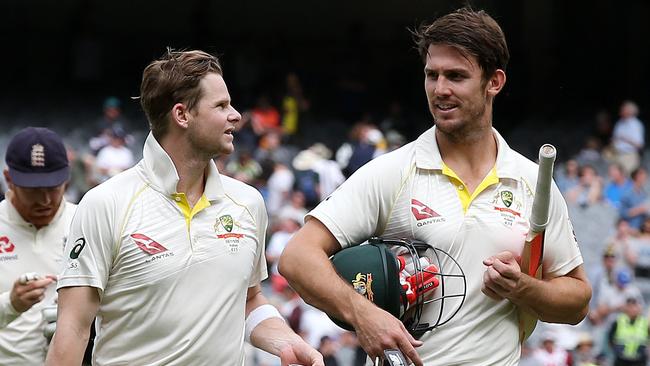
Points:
496	82
180	115
10	183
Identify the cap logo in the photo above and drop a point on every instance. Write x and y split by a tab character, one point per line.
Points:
38	155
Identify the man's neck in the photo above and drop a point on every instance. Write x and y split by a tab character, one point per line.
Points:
472	157
190	166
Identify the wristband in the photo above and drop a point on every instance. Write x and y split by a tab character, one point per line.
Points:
258	315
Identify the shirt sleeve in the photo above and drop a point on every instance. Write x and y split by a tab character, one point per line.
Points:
361	206
260	272
89	250
7	311
561	250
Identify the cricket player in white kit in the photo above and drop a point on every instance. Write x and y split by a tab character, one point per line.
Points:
460	188
169	255
34	222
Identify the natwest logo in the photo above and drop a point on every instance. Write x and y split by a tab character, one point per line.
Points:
422	211
148	245
6	246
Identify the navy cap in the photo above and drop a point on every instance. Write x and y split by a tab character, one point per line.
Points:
36	157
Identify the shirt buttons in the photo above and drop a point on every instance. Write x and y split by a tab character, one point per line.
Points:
461	187
177	199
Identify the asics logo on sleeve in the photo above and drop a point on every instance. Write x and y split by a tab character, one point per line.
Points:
148	245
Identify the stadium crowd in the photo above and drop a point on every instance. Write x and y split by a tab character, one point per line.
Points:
605	185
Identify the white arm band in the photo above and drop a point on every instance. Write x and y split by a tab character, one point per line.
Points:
258	315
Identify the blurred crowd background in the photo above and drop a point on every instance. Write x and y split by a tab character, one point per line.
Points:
324	90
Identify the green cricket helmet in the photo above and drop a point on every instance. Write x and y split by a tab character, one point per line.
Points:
403	276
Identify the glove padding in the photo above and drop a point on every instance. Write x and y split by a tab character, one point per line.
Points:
49	314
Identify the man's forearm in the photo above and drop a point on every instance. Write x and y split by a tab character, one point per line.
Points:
67	347
321	286
560	300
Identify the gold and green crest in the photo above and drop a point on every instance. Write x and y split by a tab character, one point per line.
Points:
227	222
506	197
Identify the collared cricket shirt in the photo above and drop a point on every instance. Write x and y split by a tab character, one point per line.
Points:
172	279
411	193
25	249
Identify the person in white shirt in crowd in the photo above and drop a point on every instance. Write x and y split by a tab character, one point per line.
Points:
628	138
549	354
113	158
34	221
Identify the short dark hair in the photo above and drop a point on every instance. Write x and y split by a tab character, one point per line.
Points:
174	78
472	33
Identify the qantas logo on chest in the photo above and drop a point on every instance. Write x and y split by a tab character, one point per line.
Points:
423	214
148	245
422	211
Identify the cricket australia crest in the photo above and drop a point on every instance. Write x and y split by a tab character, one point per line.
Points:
363	285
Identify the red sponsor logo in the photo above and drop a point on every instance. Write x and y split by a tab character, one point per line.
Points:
422	211
6	246
230	235
505	209
148	245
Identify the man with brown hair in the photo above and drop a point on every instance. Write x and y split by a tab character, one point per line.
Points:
169	255
460	188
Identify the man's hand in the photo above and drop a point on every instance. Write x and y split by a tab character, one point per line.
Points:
300	353
377	330
25	294
502	276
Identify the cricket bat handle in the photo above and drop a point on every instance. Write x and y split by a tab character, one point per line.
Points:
539	215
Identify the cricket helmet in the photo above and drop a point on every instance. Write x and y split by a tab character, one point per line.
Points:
405	278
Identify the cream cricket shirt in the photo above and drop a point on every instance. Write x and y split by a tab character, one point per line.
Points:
410	193
172	280
24	249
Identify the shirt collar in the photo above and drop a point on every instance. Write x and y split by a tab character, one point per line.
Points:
427	154
162	175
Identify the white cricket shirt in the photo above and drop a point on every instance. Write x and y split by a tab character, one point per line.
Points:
172	279
24	249
410	193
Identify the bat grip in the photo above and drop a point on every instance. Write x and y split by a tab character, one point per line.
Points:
539	216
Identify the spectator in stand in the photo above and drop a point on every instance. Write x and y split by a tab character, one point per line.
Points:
279	187
628	138
567	178
637	255
584	353
111	118
328	349
296	209
271	147
634	201
603	129
286	228
357	151
350	352
113	158
618	183
589	154
549	354
589	189
628	335
603	282
264	116
293	104
244	168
